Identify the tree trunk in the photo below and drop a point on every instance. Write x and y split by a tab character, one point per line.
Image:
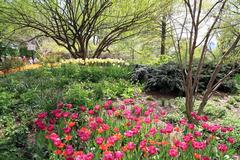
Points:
202	105
163	34
189	105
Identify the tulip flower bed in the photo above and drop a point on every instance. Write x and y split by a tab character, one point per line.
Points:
127	131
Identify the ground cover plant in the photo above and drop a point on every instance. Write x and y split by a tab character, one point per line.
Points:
130	130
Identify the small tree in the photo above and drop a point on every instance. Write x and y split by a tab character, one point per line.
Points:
73	23
194	18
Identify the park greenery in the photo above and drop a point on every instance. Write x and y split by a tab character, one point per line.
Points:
119	79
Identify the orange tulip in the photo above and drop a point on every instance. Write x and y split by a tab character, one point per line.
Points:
197	156
100	130
71	124
78	153
164	143
58	152
152	142
68	137
61	145
116	129
104	147
124	148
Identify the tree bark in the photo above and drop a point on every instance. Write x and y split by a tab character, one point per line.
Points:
163	34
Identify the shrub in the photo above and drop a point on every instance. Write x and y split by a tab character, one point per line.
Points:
120	88
87	93
168	78
80	94
228	86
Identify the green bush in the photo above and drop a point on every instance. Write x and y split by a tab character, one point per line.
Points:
79	94
120	88
86	93
168	78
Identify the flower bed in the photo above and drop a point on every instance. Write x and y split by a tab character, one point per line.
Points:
95	61
129	131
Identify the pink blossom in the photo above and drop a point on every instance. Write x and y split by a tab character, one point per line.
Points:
105	126
65	114
99	140
107	104
91	112
163	113
169	128
191	126
128	101
67	130
153	131
90	156
147	120
69	105
130	146
230	129
110	112
60	105
205	118
183	145
52	121
198	145
146	113
42	115
82	108
188	137
231	140
69	150
93	125
222	147
74	116
97	107
205	158
152	150
173	152
183	121
108	155
50	127
137	110
40	124
143	144
84	134
118	155
99	120
128	133
193	114
197	134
